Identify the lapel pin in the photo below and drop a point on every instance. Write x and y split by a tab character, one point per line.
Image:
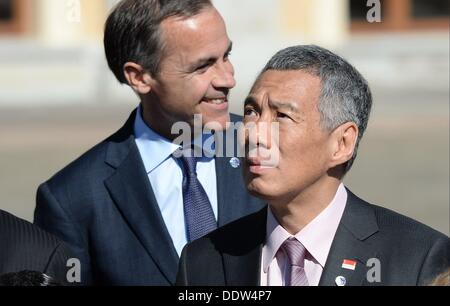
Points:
340	281
349	264
234	162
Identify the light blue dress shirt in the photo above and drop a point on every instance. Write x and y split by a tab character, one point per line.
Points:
166	175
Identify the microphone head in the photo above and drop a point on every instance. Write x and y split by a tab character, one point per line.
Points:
27	278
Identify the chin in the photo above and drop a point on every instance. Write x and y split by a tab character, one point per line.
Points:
260	189
218	123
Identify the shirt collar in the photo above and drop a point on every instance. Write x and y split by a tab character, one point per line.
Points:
155	149
275	237
316	237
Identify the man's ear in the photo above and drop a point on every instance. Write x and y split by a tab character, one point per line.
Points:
343	143
139	79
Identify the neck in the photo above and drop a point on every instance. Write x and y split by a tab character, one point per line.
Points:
162	123
296	212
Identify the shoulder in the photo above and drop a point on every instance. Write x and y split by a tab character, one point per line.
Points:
404	226
400	229
87	163
92	166
411	252
22	237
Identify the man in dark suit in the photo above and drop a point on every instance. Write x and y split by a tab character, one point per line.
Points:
25	247
314	231
129	205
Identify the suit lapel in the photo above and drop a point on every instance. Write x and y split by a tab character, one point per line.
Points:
132	193
357	224
244	269
231	190
242	262
224	177
225	187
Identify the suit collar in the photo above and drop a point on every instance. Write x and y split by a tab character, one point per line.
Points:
120	143
357	224
132	193
359	217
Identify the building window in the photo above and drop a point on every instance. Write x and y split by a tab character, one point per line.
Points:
13	16
402	15
430	8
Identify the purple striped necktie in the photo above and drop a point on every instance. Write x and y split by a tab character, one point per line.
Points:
296	253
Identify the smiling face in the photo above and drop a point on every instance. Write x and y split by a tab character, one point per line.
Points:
195	72
289	98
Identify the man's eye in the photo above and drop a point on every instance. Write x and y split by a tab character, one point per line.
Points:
202	67
227	55
249	112
282	115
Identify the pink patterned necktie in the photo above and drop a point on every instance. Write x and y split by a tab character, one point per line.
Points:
296	253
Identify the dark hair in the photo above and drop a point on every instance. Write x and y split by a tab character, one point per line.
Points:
132	31
345	95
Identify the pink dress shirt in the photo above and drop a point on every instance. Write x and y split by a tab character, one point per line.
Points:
316	237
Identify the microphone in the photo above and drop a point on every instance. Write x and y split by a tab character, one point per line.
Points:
27	278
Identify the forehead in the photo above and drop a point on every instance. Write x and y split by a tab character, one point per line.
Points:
197	36
289	85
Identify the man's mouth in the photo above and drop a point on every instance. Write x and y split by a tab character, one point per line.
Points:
252	161
216	101
258	165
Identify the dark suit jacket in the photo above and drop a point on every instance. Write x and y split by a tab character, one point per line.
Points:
24	246
103	206
410	253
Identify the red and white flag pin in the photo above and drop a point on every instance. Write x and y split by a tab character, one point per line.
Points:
349	264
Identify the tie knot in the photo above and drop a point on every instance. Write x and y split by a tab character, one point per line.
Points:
189	164
295	251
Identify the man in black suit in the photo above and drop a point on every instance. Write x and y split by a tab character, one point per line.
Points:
314	231
129	205
25	247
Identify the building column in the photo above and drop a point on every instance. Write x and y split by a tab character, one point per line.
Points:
323	22
69	22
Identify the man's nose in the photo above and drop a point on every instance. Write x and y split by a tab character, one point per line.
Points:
260	133
224	77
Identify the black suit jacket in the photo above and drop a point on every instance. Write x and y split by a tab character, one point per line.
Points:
410	253
24	246
103	206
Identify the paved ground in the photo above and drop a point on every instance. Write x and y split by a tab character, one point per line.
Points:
403	162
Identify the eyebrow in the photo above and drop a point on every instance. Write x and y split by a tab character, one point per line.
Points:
250	101
203	61
284	104
277	104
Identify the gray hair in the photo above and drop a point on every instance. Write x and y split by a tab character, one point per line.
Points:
345	95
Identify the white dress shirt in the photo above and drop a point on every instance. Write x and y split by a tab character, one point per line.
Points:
166	175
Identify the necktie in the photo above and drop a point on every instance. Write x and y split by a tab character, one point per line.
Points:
198	212
295	252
